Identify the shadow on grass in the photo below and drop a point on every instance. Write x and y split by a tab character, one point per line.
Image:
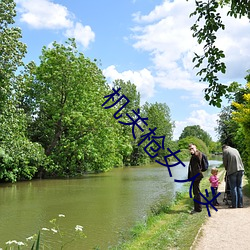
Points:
178	211
181	204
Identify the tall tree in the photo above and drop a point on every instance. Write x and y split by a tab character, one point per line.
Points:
12	51
66	95
229	130
19	157
241	115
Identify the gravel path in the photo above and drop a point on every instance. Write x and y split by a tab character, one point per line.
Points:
227	228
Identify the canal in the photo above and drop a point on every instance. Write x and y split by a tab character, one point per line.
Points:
105	204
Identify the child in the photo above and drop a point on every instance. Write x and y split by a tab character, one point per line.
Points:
214	184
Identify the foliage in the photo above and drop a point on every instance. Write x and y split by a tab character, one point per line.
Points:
159	117
183	154
20	158
227	127
65	94
196	131
242	116
137	156
201	146
232	127
215	147
205	28
12	50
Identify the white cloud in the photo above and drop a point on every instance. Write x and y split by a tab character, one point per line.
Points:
165	33
143	79
44	14
159	12
83	34
234	41
208	122
167	36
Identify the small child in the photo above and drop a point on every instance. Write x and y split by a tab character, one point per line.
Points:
214	184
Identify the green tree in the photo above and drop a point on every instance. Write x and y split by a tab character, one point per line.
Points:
207	24
232	127
158	115
230	130
137	156
66	93
12	50
196	131
241	116
183	144
215	147
20	158
227	127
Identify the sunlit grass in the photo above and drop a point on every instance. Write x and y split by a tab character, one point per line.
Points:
168	226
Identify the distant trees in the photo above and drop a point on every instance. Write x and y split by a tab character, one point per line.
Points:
196	131
227	127
159	117
136	155
184	142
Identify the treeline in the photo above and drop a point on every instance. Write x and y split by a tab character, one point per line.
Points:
52	122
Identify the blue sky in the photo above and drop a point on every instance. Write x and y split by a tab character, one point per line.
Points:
148	42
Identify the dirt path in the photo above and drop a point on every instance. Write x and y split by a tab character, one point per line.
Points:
227	228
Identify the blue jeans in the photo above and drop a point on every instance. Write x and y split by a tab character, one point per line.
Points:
214	193
235	182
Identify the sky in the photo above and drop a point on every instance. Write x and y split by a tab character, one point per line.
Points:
147	42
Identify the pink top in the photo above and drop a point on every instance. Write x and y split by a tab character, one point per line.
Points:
214	181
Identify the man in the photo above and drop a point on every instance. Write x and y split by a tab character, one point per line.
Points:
193	169
235	170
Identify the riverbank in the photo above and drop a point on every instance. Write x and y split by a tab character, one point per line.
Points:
173	227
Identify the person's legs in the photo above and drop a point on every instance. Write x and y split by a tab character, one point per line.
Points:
233	188
197	196
214	193
239	188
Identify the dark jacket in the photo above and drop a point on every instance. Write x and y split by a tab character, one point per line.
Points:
195	166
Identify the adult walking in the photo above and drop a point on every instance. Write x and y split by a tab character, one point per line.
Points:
193	169
235	169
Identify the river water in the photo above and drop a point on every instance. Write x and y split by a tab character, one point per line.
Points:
105	204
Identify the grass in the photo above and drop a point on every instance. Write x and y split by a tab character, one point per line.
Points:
246	188
168	226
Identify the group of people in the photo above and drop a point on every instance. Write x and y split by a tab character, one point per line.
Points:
234	167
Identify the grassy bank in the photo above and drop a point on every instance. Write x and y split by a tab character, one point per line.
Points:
168	227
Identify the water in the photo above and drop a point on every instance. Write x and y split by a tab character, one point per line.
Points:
104	204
